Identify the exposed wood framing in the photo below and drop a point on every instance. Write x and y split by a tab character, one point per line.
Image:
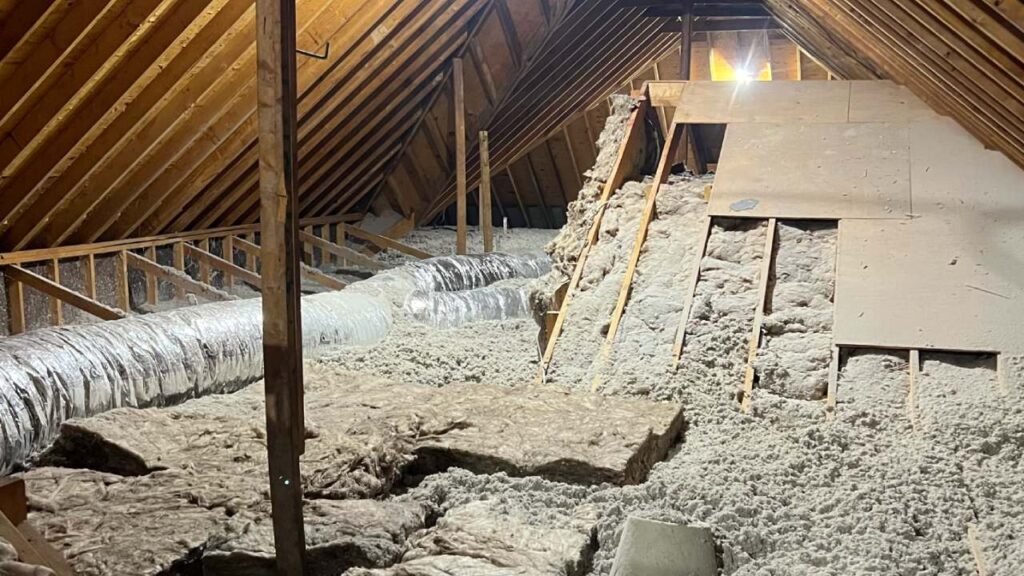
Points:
691	290
252	253
626	165
341	251
380	241
15	306
459	99
61	294
174	277
486	225
223	266
661	177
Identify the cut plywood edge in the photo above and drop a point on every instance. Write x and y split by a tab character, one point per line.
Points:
777	101
816	171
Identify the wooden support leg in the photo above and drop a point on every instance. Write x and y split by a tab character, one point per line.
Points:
486	226
228	247
179	265
124	295
280	259
56	306
204	269
342	241
152	284
89	273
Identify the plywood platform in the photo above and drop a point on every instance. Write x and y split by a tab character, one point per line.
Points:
808	170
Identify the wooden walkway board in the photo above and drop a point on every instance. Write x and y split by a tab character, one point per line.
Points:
805	101
820	171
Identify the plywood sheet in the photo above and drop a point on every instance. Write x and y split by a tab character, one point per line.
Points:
953	276
801	170
920	284
886	101
778	101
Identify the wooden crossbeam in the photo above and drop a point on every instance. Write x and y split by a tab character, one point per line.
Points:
65	295
755	333
731	25
383	242
626	163
178	279
341	251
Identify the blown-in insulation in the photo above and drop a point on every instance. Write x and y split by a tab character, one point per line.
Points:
48	376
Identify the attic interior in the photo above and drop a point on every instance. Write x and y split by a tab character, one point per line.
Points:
511	287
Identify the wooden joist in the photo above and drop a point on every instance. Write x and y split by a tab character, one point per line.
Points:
175	278
691	290
57	292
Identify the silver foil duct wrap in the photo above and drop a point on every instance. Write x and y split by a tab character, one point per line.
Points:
48	376
452	309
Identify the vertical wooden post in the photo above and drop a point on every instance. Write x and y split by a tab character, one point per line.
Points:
228	248
686	41
89	273
179	265
56	306
460	156
204	268
124	295
280	252
342	240
250	260
152	285
15	307
307	248
485	194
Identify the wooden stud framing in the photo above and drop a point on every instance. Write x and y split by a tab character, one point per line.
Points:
252	252
179	264
340	251
225	267
124	293
89	275
460	155
630	154
279	239
486	225
228	248
755	333
379	241
691	289
170	275
664	169
57	292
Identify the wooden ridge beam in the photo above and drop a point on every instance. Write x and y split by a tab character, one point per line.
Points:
57	292
175	278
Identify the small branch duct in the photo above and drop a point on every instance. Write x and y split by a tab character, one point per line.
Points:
50	375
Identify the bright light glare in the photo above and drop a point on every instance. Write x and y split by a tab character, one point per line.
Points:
743	75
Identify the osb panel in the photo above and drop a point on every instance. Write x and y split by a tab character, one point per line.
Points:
821	171
885	101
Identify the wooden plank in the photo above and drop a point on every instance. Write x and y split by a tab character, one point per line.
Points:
57	292
755	332
175	278
627	161
814	171
281	252
52	558
691	289
341	251
179	264
833	383
325	280
486	225
15	306
228	248
661	176
380	241
27	553
886	101
460	156
218	263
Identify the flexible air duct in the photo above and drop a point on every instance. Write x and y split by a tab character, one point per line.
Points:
48	376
